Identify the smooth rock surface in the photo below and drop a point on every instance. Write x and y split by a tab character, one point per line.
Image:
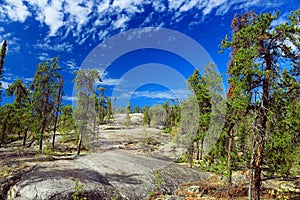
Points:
104	175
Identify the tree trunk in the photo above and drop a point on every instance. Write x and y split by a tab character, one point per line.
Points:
263	111
229	158
251	168
190	155
5	127
79	142
58	100
197	150
201	148
25	136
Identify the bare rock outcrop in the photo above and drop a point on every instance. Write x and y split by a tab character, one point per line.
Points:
107	175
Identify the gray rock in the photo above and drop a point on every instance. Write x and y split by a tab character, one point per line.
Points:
194	189
172	197
104	176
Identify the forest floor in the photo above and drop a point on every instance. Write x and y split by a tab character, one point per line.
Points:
135	148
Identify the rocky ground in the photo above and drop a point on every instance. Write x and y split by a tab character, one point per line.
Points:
127	162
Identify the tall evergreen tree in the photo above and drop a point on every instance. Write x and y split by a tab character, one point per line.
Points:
259	46
85	108
44	94
20	105
101	104
108	109
2	57
57	104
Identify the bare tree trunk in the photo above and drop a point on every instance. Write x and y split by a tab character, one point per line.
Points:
25	136
197	150
79	143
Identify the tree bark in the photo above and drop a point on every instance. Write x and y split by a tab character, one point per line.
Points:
229	158
25	136
79	143
263	111
58	100
197	150
201	149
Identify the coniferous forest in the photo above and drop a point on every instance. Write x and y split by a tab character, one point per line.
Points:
261	132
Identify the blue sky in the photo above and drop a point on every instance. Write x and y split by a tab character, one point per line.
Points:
37	30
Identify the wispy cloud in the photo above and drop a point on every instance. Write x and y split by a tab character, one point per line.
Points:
106	79
153	95
109	81
13	45
48	46
176	94
71	64
73	18
69	98
43	56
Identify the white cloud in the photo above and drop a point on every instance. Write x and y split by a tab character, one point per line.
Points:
54	16
27	80
15	10
103	6
1	29
79	11
281	20
211	5
106	79
70	18
175	4
67	98
4	84
121	22
103	34
72	65
43	56
159	6
153	95
179	94
130	6
47	45
189	5
13	45
109	81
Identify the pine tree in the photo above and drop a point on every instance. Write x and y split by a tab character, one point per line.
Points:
85	108
44	92
66	120
57	104
258	46
146	118
108	109
101	104
20	106
2	57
